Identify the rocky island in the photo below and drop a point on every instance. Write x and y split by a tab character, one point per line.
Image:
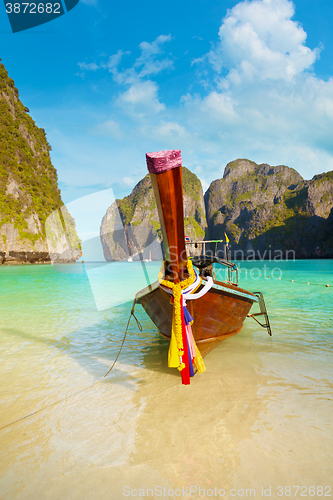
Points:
28	187
264	208
131	224
266	212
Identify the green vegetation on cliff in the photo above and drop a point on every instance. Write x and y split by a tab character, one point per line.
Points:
258	206
191	184
138	214
141	193
142	196
28	181
261	206
24	159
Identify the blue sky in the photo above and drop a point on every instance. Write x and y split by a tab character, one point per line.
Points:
219	80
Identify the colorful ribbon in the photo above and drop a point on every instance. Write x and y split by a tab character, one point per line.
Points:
183	352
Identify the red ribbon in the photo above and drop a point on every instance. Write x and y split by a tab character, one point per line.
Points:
185	371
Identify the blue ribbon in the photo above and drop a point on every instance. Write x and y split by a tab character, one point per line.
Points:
190	364
187	316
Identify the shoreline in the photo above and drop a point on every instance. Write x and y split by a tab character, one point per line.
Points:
49	262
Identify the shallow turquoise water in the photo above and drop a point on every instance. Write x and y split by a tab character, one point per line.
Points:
257	417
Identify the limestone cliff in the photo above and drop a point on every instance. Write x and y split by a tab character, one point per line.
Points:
262	209
265	208
28	186
137	213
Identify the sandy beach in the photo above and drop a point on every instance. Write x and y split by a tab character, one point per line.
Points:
256	421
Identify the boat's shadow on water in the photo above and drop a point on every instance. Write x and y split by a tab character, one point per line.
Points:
93	363
96	347
155	357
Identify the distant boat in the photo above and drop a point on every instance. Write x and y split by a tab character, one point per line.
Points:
129	259
148	260
218	309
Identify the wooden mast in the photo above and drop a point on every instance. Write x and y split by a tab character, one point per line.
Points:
166	176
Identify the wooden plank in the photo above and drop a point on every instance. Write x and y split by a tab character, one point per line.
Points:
168	190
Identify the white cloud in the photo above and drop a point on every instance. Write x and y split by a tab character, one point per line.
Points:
264	101
167	130
110	128
141	96
260	99
128	181
147	61
113	63
259	40
153	48
88	66
219	105
141	99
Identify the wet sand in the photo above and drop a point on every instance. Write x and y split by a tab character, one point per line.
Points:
244	424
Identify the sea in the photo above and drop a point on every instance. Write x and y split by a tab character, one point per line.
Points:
257	423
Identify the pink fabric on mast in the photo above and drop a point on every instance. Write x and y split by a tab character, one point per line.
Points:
190	340
162	161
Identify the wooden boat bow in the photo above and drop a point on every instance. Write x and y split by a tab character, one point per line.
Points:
221	311
166	176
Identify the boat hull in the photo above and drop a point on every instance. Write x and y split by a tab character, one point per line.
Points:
219	314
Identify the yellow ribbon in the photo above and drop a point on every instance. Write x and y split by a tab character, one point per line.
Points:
176	348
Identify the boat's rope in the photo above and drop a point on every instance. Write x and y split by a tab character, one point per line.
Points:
90	386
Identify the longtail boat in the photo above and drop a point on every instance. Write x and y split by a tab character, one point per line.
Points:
188	305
